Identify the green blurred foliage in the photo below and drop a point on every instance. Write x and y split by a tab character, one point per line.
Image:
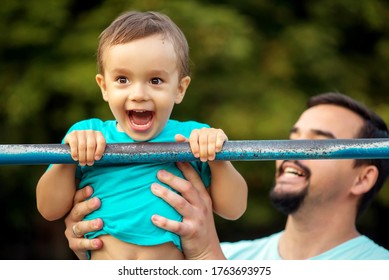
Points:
254	64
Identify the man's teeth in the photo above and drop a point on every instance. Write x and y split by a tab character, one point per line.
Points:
293	171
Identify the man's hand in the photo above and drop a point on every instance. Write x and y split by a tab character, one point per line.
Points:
197	230
76	228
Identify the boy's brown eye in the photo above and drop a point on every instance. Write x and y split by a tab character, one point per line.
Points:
122	80
156	81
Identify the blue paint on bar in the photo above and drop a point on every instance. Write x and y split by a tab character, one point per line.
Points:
255	150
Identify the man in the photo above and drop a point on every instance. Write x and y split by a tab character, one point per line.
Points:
322	198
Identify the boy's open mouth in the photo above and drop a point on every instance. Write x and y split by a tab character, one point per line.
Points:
140	119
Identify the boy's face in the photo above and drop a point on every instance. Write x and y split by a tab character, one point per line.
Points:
141	84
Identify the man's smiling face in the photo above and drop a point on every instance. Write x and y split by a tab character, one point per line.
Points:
316	182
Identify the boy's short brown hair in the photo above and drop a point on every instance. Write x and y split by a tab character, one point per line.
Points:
134	25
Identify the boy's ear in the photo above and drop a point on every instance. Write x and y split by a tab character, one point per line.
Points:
182	87
101	82
366	179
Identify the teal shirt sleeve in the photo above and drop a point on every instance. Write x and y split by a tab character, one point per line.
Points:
91	124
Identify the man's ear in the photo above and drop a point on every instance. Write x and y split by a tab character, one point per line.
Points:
103	87
366	179
182	87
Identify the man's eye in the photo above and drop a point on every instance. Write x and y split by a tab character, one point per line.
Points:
122	80
156	81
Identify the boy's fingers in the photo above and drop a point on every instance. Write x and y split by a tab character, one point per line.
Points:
82	147
220	139
203	146
86	145
194	143
90	149
73	145
212	149
180	138
101	144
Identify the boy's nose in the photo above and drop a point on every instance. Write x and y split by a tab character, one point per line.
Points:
138	93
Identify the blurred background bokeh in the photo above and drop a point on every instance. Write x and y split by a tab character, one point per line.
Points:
254	64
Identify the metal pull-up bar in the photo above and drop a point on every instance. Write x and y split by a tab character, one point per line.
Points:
246	150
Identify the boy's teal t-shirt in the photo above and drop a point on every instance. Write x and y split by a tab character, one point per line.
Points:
127	202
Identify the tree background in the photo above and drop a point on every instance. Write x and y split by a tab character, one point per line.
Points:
254	64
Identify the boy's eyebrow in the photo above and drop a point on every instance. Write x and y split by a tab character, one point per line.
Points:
151	72
317	132
159	72
120	70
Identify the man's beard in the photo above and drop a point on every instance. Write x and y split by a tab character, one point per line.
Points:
288	203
